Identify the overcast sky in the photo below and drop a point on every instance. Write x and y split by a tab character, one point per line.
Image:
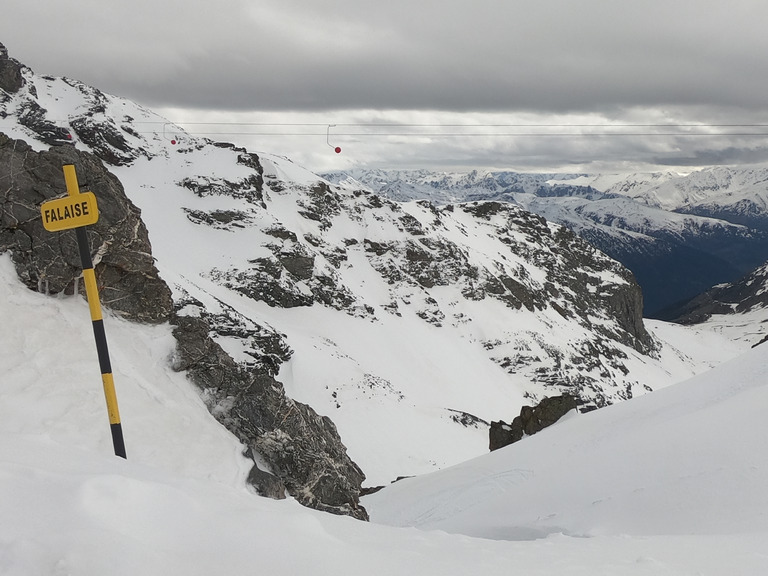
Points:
561	85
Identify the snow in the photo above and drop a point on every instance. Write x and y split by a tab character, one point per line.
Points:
51	386
364	373
388	395
671	483
360	373
669	466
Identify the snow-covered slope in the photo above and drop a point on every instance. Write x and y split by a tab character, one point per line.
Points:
395	307
685	460
50	383
178	504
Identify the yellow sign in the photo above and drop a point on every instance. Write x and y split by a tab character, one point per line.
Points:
70	212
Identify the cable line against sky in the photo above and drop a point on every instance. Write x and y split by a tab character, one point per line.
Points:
378	129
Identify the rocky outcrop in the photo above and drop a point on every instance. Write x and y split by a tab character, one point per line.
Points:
573	269
531	420
738	297
33	116
50	262
11	79
105	139
302	448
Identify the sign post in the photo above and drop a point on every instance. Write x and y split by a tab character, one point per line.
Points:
77	211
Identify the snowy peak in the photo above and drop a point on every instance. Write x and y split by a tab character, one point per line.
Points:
47	111
717	184
388	306
444	187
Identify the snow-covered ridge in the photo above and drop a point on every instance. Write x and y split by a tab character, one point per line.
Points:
679	234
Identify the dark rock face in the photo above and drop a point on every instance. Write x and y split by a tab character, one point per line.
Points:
11	79
105	139
321	205
50	262
570	263
275	280
303	448
734	298
531	420
33	116
250	188
266	484
220	219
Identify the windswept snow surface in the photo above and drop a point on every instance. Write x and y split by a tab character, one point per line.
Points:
179	504
686	460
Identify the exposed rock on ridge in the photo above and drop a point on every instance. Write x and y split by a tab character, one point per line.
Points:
50	262
29	112
11	79
530	421
302	448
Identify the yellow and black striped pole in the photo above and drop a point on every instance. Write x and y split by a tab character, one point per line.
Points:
92	293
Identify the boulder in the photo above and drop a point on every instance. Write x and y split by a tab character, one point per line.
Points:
531	420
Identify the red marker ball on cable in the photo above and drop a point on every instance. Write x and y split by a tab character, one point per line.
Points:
338	149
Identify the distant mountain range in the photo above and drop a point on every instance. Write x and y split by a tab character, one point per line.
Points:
678	234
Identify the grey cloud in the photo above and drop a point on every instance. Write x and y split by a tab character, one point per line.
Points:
448	55
726	156
702	61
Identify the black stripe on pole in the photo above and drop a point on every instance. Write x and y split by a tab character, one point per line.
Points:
83	248
117	439
101	346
